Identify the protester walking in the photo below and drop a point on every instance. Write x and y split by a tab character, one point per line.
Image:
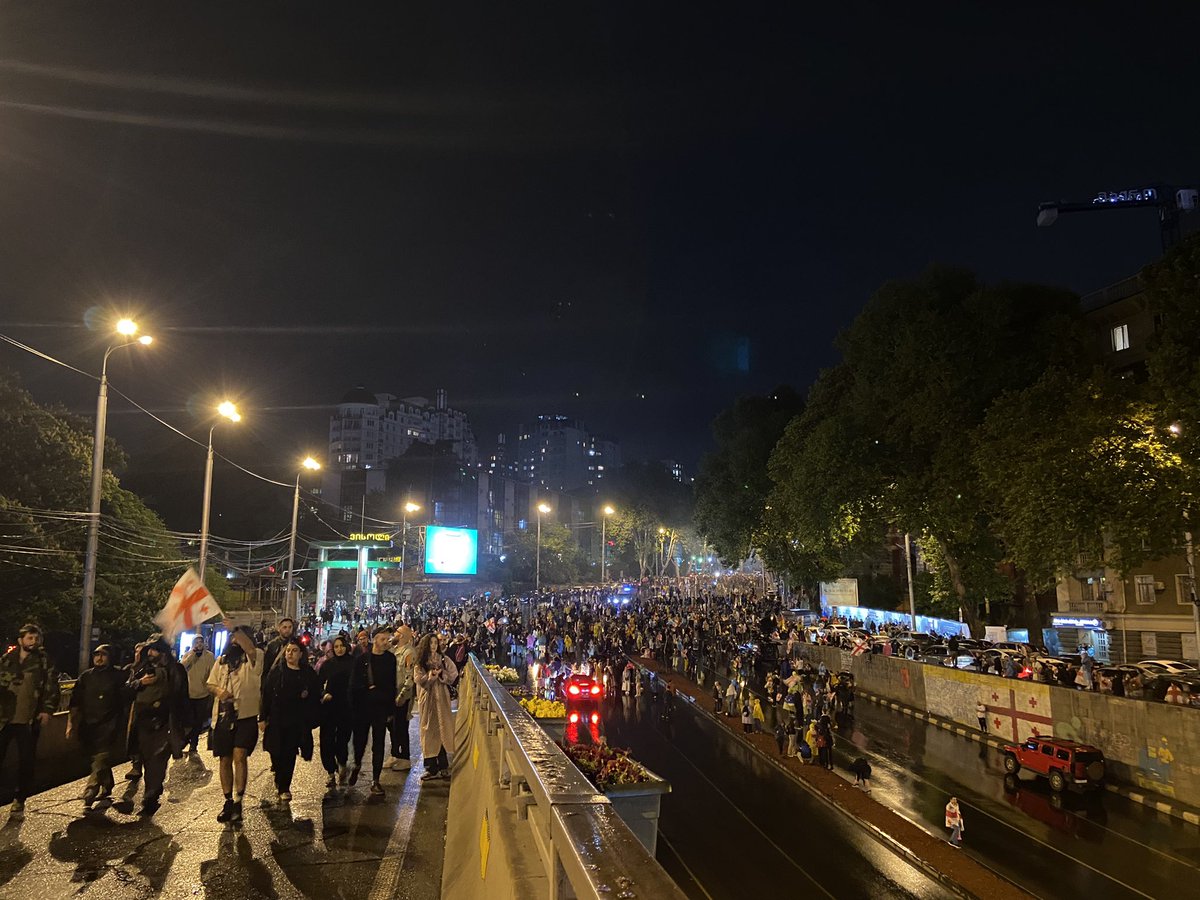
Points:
434	672
981	715
157	698
28	698
198	662
406	688
373	703
289	708
97	717
336	719
236	684
954	821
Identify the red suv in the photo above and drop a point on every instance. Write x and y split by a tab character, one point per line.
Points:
1063	762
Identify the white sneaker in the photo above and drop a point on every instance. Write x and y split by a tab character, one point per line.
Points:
399	765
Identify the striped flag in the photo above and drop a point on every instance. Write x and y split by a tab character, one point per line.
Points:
190	604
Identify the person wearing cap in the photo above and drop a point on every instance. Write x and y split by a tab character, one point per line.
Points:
96	715
236	686
28	698
155	701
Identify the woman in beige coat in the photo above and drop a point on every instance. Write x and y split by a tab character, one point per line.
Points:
434	672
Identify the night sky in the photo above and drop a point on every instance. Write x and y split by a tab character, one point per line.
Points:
542	207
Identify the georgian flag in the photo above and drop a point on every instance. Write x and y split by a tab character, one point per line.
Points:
190	604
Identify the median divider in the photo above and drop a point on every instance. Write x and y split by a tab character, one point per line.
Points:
523	821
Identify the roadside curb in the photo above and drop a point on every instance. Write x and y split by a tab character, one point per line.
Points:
1179	811
874	831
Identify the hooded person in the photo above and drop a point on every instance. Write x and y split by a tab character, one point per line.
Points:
96	715
157	691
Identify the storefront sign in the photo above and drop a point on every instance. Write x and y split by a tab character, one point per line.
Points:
372	536
1077	622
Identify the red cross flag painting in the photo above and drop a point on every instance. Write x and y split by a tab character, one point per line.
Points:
190	604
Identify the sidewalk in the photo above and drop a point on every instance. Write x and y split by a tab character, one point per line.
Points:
339	843
951	866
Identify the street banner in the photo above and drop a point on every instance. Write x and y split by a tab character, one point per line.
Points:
190	604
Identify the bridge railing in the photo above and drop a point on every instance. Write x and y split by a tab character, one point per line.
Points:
585	850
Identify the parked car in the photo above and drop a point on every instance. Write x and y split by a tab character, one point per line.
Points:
1164	667
985	661
1059	760
1124	673
1021	647
1181	689
963	659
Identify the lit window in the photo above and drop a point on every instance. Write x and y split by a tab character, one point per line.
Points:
1120	338
1145	590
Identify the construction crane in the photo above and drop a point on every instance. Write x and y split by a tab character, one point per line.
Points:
1171	203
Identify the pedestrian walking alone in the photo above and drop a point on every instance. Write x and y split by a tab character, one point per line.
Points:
981	714
954	821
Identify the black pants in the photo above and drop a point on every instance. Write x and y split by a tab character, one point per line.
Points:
335	742
201	710
285	746
154	748
374	721
400	748
26	738
437	763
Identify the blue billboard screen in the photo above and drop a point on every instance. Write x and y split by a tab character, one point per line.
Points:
451	551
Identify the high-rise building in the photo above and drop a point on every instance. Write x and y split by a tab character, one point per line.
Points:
558	453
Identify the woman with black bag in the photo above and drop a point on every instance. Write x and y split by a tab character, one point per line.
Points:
289	711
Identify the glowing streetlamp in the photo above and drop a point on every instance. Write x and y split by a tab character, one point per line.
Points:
126	328
537	582
229	411
409	507
290	602
608	511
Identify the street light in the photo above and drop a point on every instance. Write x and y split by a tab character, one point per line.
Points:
537	583
662	564
289	604
608	511
409	507
126	328
229	411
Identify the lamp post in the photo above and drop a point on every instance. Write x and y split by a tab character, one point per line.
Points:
662	539
409	507
127	328
537	578
290	605
608	511
229	411
1189	556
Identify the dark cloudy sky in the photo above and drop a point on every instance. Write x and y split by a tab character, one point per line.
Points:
545	207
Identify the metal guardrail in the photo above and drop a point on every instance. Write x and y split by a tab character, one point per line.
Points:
586	850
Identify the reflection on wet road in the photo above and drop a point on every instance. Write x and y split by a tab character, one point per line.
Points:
1074	845
734	826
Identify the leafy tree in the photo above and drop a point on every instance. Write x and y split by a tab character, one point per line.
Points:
646	497
733	484
45	476
563	561
1083	474
1173	294
921	365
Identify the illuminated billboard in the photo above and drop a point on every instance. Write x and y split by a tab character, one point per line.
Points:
451	551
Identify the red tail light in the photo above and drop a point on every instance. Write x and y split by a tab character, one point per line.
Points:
595	718
573	718
595	688
573	690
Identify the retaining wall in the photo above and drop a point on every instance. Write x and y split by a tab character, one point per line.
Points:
1152	746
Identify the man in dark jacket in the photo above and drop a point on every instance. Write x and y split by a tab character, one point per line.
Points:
158	725
373	701
97	716
286	634
28	697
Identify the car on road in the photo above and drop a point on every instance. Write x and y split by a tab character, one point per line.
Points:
963	659
581	695
1061	761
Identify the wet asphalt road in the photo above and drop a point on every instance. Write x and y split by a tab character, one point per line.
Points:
1084	845
328	844
735	827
